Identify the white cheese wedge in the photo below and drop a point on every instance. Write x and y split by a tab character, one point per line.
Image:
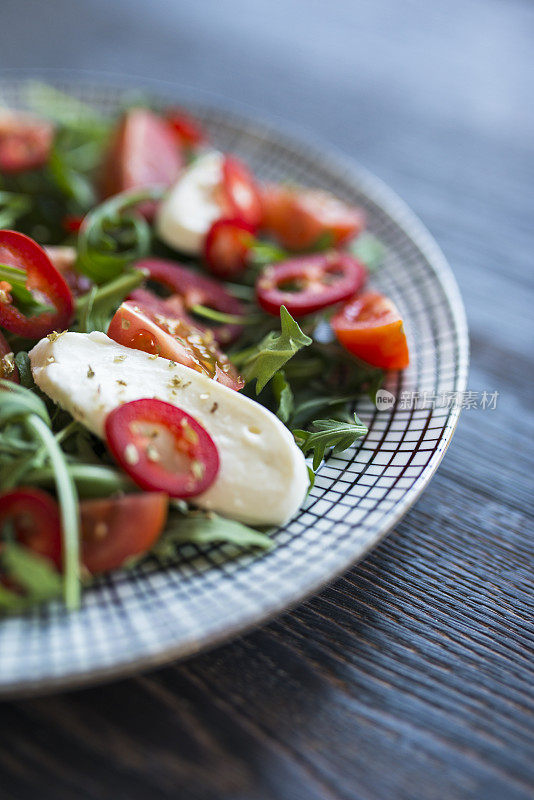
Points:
191	206
262	478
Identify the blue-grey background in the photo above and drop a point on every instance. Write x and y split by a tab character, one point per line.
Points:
411	677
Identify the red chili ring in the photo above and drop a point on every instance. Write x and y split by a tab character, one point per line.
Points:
309	283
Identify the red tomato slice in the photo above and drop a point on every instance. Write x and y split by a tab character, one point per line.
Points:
63	258
299	218
162	448
35	519
143	328
115	529
143	153
25	142
241	193
43	280
370	327
8	370
189	289
309	283
166	312
227	247
186	129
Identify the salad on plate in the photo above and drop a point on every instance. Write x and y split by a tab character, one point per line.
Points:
181	345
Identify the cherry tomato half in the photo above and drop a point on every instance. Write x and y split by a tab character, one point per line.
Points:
143	152
113	529
241	193
227	247
116	528
8	370
145	328
42	279
25	142
34	516
309	283
370	327
189	289
186	129
299	218
162	448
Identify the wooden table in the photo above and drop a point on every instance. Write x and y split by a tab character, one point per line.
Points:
412	675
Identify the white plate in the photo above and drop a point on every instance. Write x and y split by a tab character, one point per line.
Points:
135	620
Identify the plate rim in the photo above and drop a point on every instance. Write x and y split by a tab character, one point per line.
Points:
333	158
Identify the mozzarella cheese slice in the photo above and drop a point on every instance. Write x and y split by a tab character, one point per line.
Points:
262	478
191	206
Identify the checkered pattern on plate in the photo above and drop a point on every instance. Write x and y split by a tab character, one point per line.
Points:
133	620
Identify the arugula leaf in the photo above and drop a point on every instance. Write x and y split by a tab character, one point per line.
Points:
199	528
324	242
79	141
311	478
221	316
68	111
329	433
35	574
94	309
11	602
91	480
113	234
20	405
368	249
26	302
68	178
16	403
308	408
240	291
283	396
23	364
274	351
263	253
12	206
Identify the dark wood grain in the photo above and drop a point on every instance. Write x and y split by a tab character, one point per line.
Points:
412	676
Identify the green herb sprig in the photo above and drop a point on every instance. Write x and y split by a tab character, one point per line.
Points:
329	434
24	299
208	528
23	410
95	309
261	362
114	234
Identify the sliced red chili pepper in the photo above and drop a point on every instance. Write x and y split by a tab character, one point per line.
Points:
162	448
25	142
227	247
186	129
241	193
44	282
34	515
8	370
190	289
309	283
